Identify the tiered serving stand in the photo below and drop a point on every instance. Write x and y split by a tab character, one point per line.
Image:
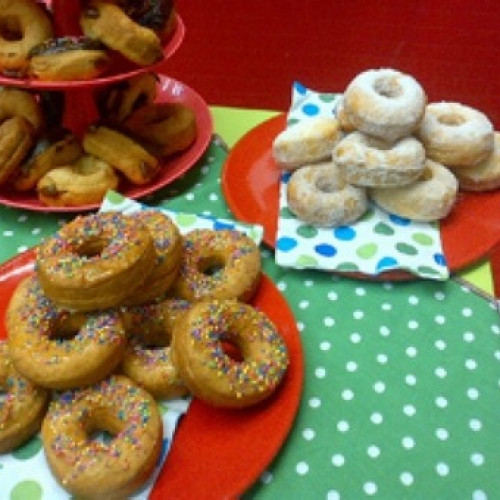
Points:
80	109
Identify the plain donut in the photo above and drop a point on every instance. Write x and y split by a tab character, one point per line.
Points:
429	198
368	161
384	103
320	195
456	135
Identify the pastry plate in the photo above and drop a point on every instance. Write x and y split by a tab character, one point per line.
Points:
169	90
250	182
215	453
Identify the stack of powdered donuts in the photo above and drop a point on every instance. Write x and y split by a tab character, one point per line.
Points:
29	48
387	144
130	141
121	310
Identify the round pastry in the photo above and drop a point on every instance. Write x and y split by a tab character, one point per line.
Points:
384	103
207	368
456	135
91	468
369	161
147	360
223	264
307	141
68	58
118	101
56	349
121	152
23	24
16	140
168	246
17	102
109	24
486	175
169	127
431	197
320	195
56	147
22	406
83	183
95	261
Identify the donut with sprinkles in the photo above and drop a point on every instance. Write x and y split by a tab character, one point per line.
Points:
59	349
91	468
211	371
95	261
23	407
218	264
148	360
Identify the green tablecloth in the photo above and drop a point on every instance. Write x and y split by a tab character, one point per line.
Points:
401	396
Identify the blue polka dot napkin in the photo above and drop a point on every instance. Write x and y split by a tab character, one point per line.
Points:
377	242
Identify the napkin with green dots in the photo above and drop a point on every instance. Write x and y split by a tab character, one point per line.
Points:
378	242
25	473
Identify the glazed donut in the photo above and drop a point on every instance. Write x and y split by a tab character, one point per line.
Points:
431	197
110	25
54	349
23	24
307	141
456	135
68	58
95	261
16	140
168	127
168	246
118	101
222	264
147	360
384	103
88	468
23	406
320	195
17	102
368	161
84	183
214	376
58	146
121	152
486	175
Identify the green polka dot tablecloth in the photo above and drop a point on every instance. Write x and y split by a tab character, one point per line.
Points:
401	396
377	242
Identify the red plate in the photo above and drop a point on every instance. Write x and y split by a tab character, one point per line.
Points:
216	453
169	90
250	181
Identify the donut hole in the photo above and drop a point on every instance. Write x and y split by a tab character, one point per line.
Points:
10	29
388	87
100	428
91	247
232	350
451	119
426	175
67	327
212	266
328	184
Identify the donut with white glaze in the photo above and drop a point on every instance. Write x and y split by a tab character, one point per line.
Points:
385	103
320	195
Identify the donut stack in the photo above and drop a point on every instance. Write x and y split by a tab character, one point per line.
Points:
387	144
122	310
128	143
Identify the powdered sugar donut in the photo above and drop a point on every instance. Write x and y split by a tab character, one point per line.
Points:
308	141
456	135
320	195
486	175
429	198
368	161
385	103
